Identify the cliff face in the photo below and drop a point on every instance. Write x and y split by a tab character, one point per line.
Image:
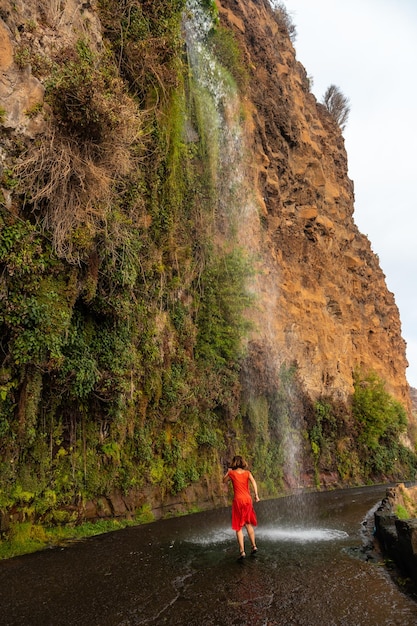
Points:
166	178
325	304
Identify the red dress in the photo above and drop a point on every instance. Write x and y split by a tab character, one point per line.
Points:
242	508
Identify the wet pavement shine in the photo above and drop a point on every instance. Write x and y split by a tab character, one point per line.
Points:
310	570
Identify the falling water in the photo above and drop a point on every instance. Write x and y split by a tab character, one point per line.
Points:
273	533
220	120
206	69
221	127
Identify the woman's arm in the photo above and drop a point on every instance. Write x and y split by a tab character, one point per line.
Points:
255	486
226	477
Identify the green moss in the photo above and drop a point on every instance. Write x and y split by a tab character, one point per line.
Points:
8	180
144	515
24	538
401	512
224	299
22	56
226	49
34	110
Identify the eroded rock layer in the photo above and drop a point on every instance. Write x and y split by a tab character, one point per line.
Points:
325	302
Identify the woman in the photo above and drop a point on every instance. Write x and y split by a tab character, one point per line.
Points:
243	513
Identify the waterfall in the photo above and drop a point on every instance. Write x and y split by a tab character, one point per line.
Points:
219	113
219	120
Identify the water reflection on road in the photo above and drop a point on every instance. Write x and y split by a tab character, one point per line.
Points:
184	571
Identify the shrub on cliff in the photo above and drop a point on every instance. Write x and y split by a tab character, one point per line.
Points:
337	105
381	420
379	415
284	19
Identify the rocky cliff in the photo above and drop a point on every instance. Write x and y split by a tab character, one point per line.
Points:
182	276
324	298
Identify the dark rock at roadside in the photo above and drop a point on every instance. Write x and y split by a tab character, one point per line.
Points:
398	537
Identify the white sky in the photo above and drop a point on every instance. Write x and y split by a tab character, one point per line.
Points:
368	48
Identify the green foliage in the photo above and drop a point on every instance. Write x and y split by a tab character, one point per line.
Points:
324	423
23	538
322	435
401	512
263	446
25	54
174	464
366	444
380	417
224	45
22	56
44	321
144	515
169	184
222	304
80	94
146	38
211	8
37	311
348	463
27	537
112	450
8	179
209	437
97	356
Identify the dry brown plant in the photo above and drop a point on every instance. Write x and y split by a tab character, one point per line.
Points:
70	183
67	190
57	14
337	105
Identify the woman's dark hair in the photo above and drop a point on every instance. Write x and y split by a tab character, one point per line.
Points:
239	462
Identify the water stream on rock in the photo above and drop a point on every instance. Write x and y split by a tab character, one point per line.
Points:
217	121
312	569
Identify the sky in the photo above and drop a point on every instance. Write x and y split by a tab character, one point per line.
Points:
368	48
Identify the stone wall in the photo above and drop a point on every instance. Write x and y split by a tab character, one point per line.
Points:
398	537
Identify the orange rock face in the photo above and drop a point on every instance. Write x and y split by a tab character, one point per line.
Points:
323	302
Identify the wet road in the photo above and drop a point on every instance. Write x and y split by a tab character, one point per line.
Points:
184	571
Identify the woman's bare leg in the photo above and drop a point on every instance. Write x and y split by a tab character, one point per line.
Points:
240	540
251	534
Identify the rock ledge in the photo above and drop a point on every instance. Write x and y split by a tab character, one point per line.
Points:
398	537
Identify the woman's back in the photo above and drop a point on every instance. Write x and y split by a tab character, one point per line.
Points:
240	480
